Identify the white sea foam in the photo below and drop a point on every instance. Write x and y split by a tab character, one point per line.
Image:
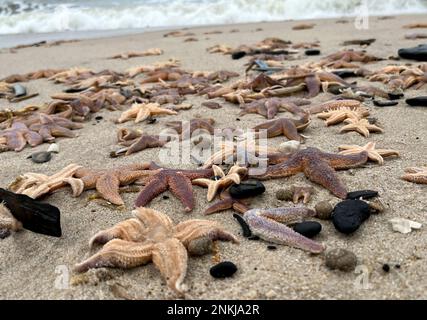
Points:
77	15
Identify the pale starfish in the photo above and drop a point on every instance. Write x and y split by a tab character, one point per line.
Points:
107	182
361	126
17	136
35	185
141	143
133	54
265	223
317	166
373	154
269	107
334	105
50	127
176	180
339	115
220	48
222	180
143	111
227	202
284	126
132	72
416	175
186	129
152	236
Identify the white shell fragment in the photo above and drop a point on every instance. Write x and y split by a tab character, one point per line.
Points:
53	148
404	225
289	146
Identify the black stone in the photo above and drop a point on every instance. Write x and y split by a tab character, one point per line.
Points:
397	266
418	53
35	216
238	55
395	96
247	189
4	233
364	194
417	102
308	229
99	118
386	267
245	227
348	215
386	103
41	157
271	247
345	73
151	120
312	52
165	197
223	269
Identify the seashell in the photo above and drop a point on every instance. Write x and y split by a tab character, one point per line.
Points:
404	225
53	148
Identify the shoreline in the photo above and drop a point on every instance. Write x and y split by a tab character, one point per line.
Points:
30	260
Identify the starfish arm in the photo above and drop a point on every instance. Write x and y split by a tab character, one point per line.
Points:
239	206
313	86
195	174
374	128
77	185
415	177
180	186
152	189
339	161
288	168
221	205
286	215
272	109
33	138
320	172
276	232
170	257
289	130
388	152
16	141
108	187
126	115
190	230
129	230
127	177
142	115
57	131
118	253
153	219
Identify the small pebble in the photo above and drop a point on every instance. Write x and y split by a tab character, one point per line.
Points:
247	189
284	194
404	225
223	269
53	148
41	157
386	267
397	266
4	233
348	215
308	229
271	247
289	146
312	52
98	118
324	210
341	259
165	197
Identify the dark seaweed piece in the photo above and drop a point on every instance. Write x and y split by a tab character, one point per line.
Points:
245	227
345	73
385	103
312	52
395	96
35	216
364	194
238	55
417	102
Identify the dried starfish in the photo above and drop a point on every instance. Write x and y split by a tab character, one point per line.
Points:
301	192
416	175
186	129
35	185
17	136
221	180
334	105
143	142
176	180
134	71
361	126
133	54
318	166
265	223
303	26
269	107
51	127
227	202
107	182
152	236
143	111
373	154
220	48
284	126
339	115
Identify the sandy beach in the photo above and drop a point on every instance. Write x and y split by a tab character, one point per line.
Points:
31	263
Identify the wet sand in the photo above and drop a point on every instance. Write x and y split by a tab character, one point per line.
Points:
28	261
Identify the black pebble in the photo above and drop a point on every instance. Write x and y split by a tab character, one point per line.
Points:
418	53
4	233
165	197
397	266
348	215
245	227
417	102
238	55
386	267
41	157
247	189
312	52
395	96
99	118
386	103
345	73
223	269
308	228
271	247
364	194
237	119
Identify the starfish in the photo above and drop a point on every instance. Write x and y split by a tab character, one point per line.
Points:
222	180
284	126
176	180
186	129
133	54
361	126
339	115
265	223
165	74
36	185
220	48
269	107
334	105
134	71
17	136
317	166
373	154
227	202
143	111
301	192
416	175
143	142
51	127
107	182
349	56
152	236
72	74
